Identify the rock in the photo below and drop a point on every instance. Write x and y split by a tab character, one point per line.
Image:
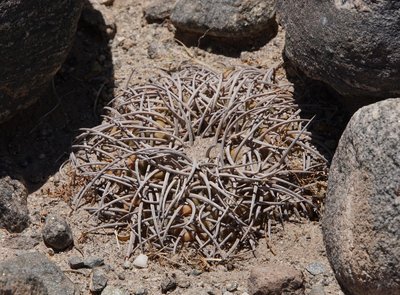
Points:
353	45
235	19
33	273
158	10
93	261
168	284
109	290
317	290
57	233
141	291
23	241
315	268
140	261
98	280
361	225
231	287
14	215
46	28
76	262
275	279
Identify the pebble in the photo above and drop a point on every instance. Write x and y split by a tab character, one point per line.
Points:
127	264
110	290
98	281
317	290
315	268
107	2
75	262
141	261
232	286
141	291
93	261
57	233
184	284
168	284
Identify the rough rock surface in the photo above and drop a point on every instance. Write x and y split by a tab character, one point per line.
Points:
275	279
352	45
14	215
57	233
225	18
158	10
33	273
361	225
35	38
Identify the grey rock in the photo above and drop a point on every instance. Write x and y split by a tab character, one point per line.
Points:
46	28
158	10
141	291
168	284
98	280
315	268
14	215
275	279
57	233
231	287
225	18
75	262
93	261
317	290
110	290
361	225
352	45
33	273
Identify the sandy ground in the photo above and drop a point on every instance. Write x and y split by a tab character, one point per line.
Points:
113	50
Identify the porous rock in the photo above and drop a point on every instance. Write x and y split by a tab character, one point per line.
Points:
33	273
14	215
57	233
98	280
275	279
225	18
353	45
35	38
361	225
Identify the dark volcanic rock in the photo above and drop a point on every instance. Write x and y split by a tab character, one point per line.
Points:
35	38
33	273
57	233
13	207
225	18
361	225
352	45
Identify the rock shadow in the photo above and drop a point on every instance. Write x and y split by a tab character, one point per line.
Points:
230	47
318	101
35	143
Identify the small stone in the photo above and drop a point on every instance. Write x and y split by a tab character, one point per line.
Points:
168	284
315	268
196	272
57	233
184	284
141	291
140	261
232	286
76	262
93	261
98	280
317	290
121	276
158	10
127	264
110	290
275	279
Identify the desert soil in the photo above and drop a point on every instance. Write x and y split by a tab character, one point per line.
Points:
115	47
